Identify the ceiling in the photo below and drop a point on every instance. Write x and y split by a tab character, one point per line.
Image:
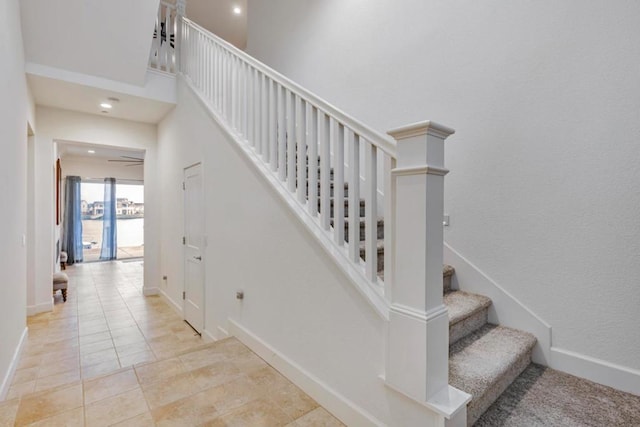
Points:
102	152
110	39
218	17
76	97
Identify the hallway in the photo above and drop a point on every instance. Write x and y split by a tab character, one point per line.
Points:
110	356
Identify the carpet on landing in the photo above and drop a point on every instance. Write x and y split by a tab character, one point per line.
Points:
544	397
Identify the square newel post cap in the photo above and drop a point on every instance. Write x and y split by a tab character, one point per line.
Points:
181	7
426	127
421	144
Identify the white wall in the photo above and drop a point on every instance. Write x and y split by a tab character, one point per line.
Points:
63	125
296	300
16	110
544	98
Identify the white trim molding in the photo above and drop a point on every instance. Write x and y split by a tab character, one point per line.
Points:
8	378
341	407
506	309
171	302
44	307
596	370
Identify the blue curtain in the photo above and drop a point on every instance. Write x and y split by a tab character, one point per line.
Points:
109	230
72	222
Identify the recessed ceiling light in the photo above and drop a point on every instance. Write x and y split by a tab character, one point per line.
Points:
237	10
106	105
91	151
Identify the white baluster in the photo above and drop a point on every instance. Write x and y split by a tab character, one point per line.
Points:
337	132
250	110
258	109
371	211
312	163
302	150
167	30
264	118
291	142
354	199
282	137
325	169
273	117
389	165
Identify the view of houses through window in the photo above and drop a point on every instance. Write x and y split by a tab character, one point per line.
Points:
129	220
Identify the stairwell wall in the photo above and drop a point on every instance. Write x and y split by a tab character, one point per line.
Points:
297	303
544	99
16	113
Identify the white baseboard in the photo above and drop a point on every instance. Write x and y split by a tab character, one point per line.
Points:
596	370
338	405
150	291
171	302
32	310
506	310
222	333
208	337
6	381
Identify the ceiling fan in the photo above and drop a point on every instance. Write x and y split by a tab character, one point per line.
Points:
131	161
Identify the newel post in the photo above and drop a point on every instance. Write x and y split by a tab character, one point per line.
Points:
181	11
418	333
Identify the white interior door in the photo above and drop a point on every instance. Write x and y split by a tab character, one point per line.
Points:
193	247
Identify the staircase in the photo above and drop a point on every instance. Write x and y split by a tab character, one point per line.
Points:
326	167
484	359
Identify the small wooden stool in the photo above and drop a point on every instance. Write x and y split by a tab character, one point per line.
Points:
60	282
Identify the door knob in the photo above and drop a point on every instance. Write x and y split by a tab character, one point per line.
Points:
199	258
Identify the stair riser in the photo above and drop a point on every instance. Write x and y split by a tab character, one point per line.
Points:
478	406
468	325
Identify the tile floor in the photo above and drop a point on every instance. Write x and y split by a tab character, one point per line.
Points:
110	356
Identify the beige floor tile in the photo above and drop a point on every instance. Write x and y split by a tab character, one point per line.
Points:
90	339
98	357
109	386
233	394
153	372
8	411
25	375
116	409
319	417
293	401
19	390
38	406
72	418
142	420
141	357
53	381
103	368
55	366
135	347
215	374
255	413
190	411
29	362
169	390
202	358
93	347
248	362
267	379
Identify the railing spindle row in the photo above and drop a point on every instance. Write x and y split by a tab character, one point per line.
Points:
315	154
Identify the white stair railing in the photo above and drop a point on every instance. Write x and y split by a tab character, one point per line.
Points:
164	47
289	128
286	129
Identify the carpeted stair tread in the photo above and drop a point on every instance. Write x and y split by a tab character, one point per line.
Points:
463	305
486	361
467	313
